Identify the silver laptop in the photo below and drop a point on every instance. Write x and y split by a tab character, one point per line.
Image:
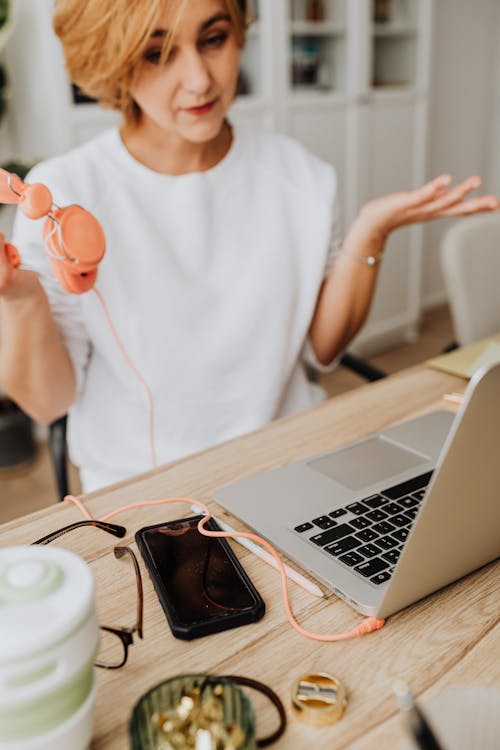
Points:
391	518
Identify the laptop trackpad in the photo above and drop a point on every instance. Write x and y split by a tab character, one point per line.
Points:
367	463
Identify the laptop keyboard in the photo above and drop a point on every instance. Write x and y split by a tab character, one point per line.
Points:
367	536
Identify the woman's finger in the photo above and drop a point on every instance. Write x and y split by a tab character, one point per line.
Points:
428	192
451	197
472	206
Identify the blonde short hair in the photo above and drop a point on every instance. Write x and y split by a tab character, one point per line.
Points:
104	40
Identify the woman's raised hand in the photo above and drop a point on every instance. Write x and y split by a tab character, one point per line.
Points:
434	200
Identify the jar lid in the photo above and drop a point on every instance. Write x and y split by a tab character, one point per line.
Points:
45	593
318	699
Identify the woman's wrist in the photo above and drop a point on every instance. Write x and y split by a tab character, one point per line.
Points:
364	241
366	260
370	226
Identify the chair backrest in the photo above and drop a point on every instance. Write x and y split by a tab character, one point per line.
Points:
57	445
470	260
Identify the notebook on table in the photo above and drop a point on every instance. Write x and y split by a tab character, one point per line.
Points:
395	516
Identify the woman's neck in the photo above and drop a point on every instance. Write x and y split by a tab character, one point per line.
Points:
162	153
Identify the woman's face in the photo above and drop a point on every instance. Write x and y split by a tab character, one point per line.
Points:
188	96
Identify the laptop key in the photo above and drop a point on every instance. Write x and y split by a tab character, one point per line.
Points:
381	577
419	495
369	550
304	527
400	520
357	508
372	567
324	522
384	527
392	508
392	556
411	485
375	501
367	535
401	534
351	558
360	522
411	513
344	545
337	513
376	515
326	537
387	542
408	501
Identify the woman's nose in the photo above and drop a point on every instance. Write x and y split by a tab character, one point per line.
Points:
196	74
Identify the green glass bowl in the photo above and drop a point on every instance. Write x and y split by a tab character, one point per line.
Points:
163	697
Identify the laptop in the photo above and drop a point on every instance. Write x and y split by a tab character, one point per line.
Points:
391	518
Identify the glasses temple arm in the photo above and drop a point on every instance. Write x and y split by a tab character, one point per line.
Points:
110	528
119	553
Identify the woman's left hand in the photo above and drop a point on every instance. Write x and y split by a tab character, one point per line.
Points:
434	200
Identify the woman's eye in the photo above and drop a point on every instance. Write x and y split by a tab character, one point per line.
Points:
215	41
153	56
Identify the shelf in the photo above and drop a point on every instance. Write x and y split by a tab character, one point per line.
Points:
388	92
311	80
318	63
317	28
393	30
395	55
314	98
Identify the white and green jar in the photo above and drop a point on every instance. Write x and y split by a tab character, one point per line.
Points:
48	641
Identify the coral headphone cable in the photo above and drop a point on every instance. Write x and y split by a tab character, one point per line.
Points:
367	625
35	201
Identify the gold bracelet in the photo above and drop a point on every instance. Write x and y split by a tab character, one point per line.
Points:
368	260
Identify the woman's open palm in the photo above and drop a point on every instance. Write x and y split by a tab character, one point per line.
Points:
434	200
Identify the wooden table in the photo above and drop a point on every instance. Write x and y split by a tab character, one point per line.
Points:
448	639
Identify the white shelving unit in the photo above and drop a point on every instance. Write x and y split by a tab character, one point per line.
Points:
352	86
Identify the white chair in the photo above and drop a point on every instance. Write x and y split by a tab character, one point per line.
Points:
470	261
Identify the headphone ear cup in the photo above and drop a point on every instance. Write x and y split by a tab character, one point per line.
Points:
74	283
35	201
74	236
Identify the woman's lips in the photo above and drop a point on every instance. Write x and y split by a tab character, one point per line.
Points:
202	110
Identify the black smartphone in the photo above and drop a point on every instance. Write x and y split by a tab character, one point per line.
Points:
199	581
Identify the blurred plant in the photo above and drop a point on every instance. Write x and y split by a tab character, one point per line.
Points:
19	167
4	12
4	33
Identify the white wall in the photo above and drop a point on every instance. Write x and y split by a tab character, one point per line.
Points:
464	128
465	80
494	140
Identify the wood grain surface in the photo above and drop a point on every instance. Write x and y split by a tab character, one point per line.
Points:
448	639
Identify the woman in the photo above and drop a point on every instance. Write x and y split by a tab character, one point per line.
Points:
223	267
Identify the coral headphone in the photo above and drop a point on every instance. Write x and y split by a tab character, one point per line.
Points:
73	238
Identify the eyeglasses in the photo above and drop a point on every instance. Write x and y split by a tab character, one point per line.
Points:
111	528
114	642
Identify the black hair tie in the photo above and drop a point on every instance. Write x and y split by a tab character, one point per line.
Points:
273	697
